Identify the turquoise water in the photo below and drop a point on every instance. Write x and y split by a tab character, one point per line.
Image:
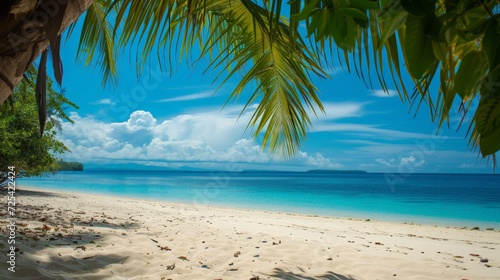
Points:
444	199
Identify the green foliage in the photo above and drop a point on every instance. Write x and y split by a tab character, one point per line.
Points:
488	125
465	39
473	68
417	47
97	38
457	41
20	142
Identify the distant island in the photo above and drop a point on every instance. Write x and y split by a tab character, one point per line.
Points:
69	166
337	171
309	171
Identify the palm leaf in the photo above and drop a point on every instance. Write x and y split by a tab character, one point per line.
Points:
41	91
97	39
253	38
235	36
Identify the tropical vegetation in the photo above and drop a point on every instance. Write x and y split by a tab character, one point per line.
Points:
69	166
21	144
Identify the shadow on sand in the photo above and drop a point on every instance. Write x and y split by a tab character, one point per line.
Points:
42	194
40	227
288	275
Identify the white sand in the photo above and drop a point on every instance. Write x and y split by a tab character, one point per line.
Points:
102	237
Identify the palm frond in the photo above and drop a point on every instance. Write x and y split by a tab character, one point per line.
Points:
97	38
253	38
236	35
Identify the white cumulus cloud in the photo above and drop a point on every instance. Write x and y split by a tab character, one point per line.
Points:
201	138
404	163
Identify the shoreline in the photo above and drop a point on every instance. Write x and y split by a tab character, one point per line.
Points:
340	214
69	235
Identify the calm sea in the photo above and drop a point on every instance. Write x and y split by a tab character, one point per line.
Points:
441	199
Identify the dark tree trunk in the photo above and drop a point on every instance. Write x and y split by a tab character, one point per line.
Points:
23	36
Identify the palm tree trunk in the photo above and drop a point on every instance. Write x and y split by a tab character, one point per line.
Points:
23	36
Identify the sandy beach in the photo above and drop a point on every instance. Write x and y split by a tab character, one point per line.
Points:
80	236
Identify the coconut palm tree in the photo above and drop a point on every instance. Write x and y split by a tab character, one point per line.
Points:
456	41
26	29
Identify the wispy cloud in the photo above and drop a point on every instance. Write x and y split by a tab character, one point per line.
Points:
384	94
371	130
336	111
329	122
194	96
340	110
192	87
105	101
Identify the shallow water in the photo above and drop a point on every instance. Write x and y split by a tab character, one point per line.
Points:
441	199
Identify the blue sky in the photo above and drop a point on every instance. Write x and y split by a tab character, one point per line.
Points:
174	120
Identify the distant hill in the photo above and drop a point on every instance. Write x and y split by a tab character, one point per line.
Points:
140	167
69	166
266	171
309	171
337	171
